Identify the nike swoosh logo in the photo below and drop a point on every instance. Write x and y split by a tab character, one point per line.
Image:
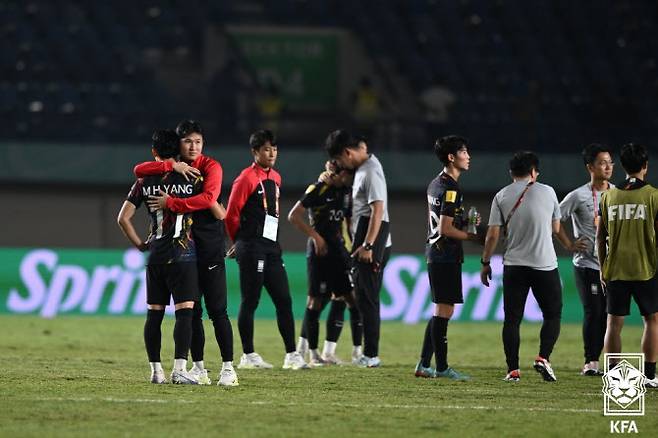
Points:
210	268
260	192
330	199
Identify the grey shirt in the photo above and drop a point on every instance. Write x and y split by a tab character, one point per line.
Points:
369	186
582	206
529	231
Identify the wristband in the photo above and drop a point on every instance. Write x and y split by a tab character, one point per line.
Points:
485	263
367	246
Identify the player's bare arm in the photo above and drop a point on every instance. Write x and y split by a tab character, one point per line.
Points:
375	223
218	211
490	243
448	229
577	245
602	247
296	217
125	223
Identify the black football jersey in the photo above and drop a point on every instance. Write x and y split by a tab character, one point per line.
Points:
209	236
170	236
444	197
328	208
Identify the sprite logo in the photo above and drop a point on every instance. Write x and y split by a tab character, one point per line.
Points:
53	288
411	302
50	282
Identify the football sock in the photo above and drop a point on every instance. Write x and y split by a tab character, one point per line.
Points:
198	334
302	332
329	348
650	370
440	341
153	334
180	364
156	366
302	345
182	333
198	364
312	323
335	320
357	326
428	350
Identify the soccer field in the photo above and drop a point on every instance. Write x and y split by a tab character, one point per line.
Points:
87	376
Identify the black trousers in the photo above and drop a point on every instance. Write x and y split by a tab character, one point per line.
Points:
212	282
260	264
594	307
546	287
367	286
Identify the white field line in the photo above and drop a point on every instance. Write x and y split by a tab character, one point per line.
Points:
115	400
332	404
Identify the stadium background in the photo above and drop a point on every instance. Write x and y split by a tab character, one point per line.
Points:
83	85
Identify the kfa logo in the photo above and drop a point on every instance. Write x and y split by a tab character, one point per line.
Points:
623	389
623	384
623	426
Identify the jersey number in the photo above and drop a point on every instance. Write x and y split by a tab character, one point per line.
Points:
435	232
336	215
159	217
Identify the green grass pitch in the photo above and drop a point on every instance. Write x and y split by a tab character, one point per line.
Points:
87	376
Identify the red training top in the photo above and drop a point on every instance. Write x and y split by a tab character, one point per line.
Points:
212	183
255	191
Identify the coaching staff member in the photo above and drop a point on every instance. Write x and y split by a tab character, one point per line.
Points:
528	212
582	206
252	221
370	227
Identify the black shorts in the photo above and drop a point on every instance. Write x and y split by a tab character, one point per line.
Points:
179	280
327	275
643	292
446	282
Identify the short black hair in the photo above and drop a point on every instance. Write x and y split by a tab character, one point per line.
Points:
633	157
522	163
165	143
447	145
338	141
187	127
260	137
591	151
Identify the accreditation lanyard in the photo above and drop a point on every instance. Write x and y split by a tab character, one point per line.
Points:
262	188
596	205
271	223
516	205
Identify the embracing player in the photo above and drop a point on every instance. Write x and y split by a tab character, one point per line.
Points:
329	205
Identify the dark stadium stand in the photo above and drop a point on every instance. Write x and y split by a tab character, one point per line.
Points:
550	75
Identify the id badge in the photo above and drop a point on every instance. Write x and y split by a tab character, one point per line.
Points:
271	227
594	288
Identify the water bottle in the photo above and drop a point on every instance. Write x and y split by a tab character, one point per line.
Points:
472	220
